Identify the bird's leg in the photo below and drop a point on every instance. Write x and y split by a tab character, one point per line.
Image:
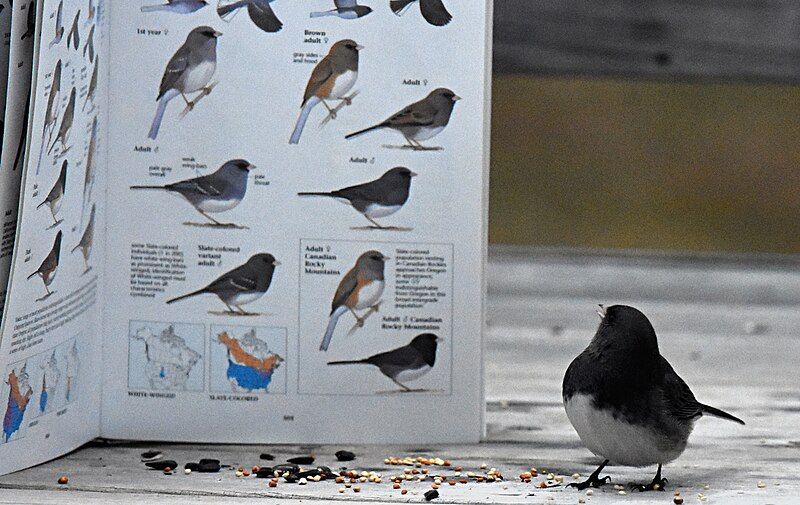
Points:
658	484
406	389
359	319
594	479
242	311
210	218
374	222
48	290
55	221
331	112
230	309
189	105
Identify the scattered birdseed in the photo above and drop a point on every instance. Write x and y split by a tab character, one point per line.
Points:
342	490
762	484
622	493
344	456
677	500
576	476
63	480
161	464
581	500
302	481
451	482
168	471
302	460
356	489
273	483
187	471
395	486
590	492
484	465
619	487
431	495
404	491
151	455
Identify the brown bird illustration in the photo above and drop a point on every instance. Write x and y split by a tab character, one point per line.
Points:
47	270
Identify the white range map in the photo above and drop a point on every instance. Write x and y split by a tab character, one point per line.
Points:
169	359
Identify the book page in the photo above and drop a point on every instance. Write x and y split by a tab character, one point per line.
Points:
5	33
246	285
51	346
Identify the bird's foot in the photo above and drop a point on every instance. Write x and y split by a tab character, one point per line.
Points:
656	485
593	481
360	322
348	100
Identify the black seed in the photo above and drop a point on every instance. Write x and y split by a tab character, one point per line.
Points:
326	472
345	456
267	456
265	472
431	495
286	467
292	478
191	466
302	460
208	466
161	464
150	455
209	461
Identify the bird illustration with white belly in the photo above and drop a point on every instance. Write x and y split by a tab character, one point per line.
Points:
625	400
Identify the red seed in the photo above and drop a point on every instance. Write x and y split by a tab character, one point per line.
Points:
63	480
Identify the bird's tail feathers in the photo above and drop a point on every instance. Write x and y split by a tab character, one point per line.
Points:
362	132
162	107
326	340
323	14
399	7
34	274
75	248
147	187
301	121
711	411
315	193
224	10
40	205
153	8
187	295
350	362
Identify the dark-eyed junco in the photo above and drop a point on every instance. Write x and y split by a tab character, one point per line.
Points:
51	112
345	9
421	120
626	402
92	87
433	11
242	285
47	269
260	13
177	6
331	79
90	11
361	288
88	176
59	30
189	70
87	241
67	120
219	191
88	48
55	197
404	364
375	199
74	36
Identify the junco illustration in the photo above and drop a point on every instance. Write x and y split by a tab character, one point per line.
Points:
345	9
89	46
74	35
55	197
260	13
361	288
421	120
219	191
59	32
90	12
404	364
23	137
92	87
51	113
66	123
242	285
31	21
332	79
188	71
88	177
47	270
379	198
433	11
177	6
626	402
87	241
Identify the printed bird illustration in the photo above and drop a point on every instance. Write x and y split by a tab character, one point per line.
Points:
433	11
345	9
87	241
55	197
260	12
176	6
47	269
59	31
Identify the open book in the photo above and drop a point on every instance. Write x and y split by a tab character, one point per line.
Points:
244	221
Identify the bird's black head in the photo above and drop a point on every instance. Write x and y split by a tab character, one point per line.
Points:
426	344
264	259
57	243
241	165
401	173
346	46
445	94
205	32
362	10
626	329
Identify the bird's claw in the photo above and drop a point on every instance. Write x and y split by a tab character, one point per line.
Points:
347	100
592	481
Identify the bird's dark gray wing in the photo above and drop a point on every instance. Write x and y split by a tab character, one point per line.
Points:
679	399
416	114
238	279
207	185
262	15
402	357
373	191
319	76
345	4
435	12
346	287
175	68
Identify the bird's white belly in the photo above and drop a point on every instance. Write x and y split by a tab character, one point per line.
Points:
412	375
199	77
374	210
218	205
369	295
48	279
56	204
614	439
245	298
427	133
343	84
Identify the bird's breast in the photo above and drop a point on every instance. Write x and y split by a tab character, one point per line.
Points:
412	374
198	76
374	210
369	294
343	84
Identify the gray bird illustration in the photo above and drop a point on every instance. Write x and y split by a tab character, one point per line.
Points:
92	87
59	32
89	46
188	71
242	285
331	79
89	174
260	12
421	120
433	11
74	35
361	288
625	400
47	270
219	191
177	6
55	197
51	114
404	364
66	123
345	9
375	199
87	241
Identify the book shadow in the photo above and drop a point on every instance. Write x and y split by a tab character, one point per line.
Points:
384	228
221	226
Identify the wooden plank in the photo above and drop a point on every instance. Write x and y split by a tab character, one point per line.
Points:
751	40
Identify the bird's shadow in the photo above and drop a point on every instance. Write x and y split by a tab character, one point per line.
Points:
221	226
86	271
55	224
408	391
384	228
45	297
238	314
413	148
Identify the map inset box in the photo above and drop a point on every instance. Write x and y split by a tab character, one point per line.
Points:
166	356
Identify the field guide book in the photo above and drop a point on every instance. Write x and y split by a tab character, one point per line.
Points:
242	221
